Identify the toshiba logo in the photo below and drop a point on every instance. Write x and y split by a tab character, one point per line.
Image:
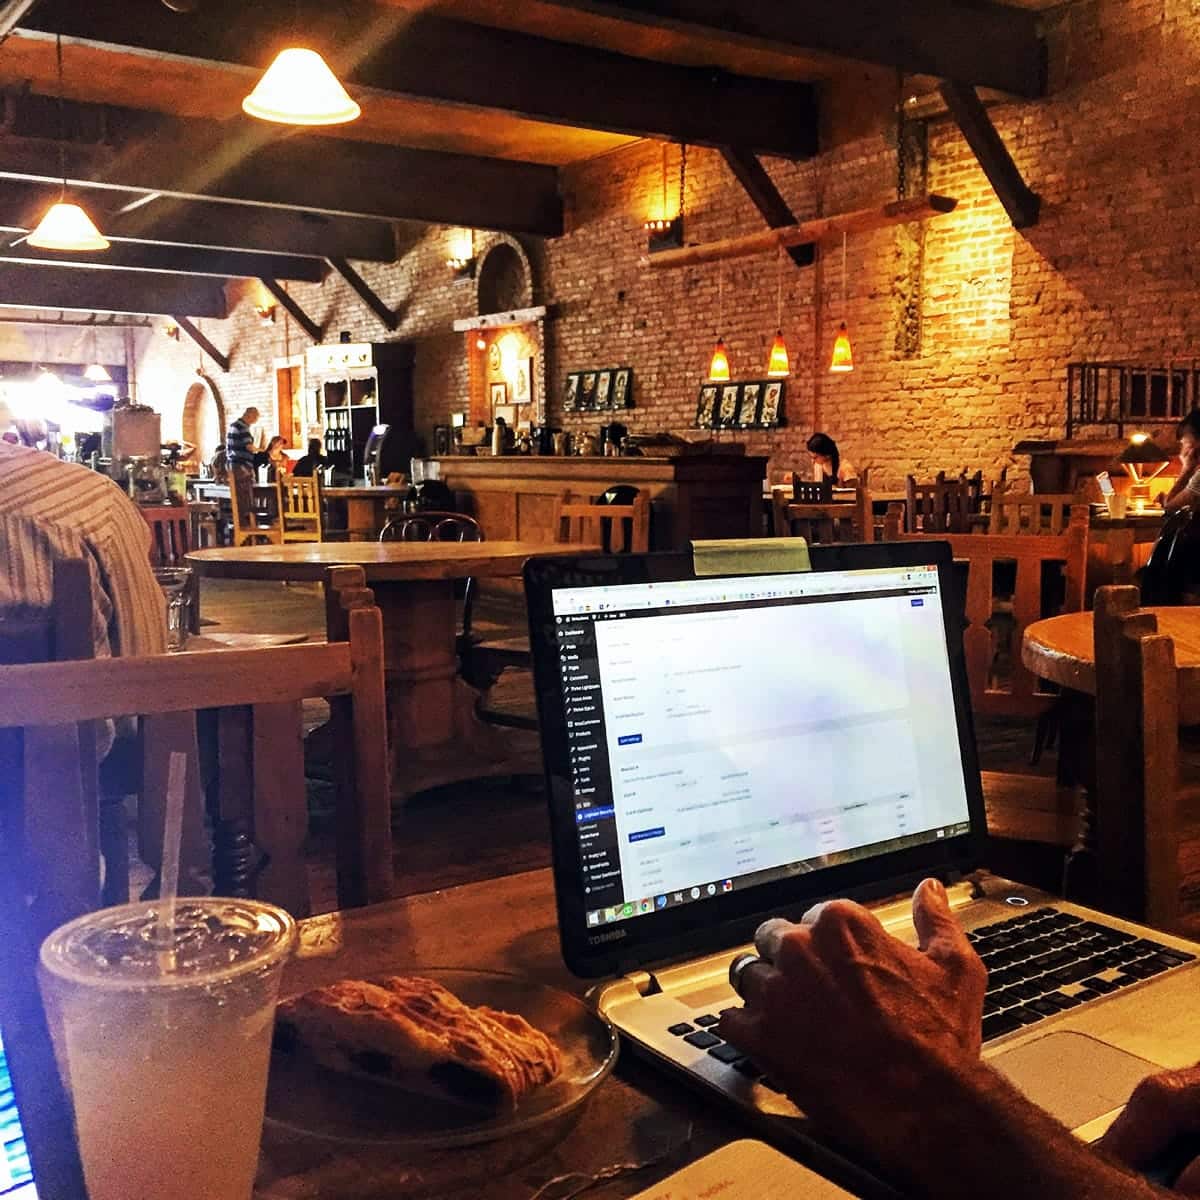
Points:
613	935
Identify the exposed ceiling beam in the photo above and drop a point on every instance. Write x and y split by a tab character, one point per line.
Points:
467	65
23	285
176	260
298	314
198	336
246	162
982	44
169	220
760	187
385	314
12	13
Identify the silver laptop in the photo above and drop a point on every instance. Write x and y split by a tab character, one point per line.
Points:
720	749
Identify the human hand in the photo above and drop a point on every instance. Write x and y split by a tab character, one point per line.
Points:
851	1021
1162	1108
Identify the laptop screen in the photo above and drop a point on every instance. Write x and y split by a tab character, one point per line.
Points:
727	733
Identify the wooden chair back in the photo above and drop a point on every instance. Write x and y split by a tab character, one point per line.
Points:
299	508
943	506
1026	512
170	533
1137	798
981	552
811	491
584	521
257	527
829	521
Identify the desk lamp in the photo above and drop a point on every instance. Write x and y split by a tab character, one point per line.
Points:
1141	454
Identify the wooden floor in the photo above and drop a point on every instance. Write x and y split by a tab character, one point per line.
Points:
476	830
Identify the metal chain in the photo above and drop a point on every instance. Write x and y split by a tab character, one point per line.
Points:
682	175
901	164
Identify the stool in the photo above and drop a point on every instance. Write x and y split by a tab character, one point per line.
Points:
204	515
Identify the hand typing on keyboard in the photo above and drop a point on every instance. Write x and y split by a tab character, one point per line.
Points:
879	1042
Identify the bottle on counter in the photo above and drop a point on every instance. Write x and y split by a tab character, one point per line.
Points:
499	429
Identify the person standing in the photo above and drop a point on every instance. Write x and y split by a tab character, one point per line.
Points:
240	460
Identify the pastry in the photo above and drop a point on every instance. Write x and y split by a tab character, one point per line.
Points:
416	1034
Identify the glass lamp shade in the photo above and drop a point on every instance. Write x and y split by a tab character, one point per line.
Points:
843	359
67	227
718	367
97	373
777	363
298	88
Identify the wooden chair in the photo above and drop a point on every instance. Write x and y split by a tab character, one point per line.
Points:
1015	512
258	527
299	507
943	506
206	519
170	533
1145	801
811	491
981	552
585	521
828	521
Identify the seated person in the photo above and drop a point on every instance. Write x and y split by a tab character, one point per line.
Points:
878	1042
828	463
1185	492
311	461
277	461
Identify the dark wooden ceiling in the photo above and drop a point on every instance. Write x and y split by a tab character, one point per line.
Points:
469	107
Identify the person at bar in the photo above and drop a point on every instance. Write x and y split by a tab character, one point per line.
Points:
878	1042
828	462
240	459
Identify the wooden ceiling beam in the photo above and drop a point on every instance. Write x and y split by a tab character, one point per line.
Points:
298	314
458	63
761	189
982	44
247	162
198	336
23	285
210	226
386	315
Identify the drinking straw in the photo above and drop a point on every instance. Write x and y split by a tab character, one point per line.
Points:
172	835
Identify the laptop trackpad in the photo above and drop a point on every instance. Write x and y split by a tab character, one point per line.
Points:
1074	1077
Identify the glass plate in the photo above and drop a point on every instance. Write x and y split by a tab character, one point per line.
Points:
307	1100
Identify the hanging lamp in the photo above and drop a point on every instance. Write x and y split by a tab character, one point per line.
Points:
718	365
298	88
96	372
777	361
65	225
842	360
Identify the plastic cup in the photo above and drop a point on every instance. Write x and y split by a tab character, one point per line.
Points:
1117	504
165	1050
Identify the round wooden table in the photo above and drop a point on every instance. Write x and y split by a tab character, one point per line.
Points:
1061	649
436	736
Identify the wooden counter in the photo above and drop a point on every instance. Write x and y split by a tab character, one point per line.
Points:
694	496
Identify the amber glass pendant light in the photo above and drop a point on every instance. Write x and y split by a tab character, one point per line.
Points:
843	359
718	366
777	362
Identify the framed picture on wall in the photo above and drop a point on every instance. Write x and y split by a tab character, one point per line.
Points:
747	410
623	388
571	392
587	390
729	405
706	406
498	393
604	389
523	384
772	405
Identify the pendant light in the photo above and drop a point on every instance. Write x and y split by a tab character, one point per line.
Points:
777	362
842	360
718	366
96	372
65	225
298	88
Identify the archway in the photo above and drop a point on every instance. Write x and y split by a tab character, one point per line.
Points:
203	420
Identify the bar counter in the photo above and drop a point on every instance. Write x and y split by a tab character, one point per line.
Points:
692	496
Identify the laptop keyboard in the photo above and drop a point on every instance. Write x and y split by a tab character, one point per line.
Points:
1039	964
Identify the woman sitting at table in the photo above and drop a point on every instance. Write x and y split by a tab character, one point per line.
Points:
277	461
828	463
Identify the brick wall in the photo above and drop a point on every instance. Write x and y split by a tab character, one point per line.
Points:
1108	272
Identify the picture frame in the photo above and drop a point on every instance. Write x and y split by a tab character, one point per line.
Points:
706	406
604	389
587	390
748	402
770	414
498	393
523	383
623	388
571	392
727	413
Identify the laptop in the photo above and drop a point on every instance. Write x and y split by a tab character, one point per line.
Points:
724	748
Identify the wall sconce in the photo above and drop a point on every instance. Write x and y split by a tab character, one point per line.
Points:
266	312
664	234
461	259
171	330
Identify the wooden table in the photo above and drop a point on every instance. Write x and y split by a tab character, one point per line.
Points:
1061	649
436	736
505	924
363	506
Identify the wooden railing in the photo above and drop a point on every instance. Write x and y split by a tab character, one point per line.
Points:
1108	396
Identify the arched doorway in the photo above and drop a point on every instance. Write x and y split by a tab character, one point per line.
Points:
203	420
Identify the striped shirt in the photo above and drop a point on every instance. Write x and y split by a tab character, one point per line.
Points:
50	510
239	444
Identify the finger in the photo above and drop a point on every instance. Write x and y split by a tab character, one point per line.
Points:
1161	1107
741	1029
938	932
754	981
838	926
768	936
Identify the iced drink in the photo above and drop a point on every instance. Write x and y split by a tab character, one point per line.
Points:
165	1049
